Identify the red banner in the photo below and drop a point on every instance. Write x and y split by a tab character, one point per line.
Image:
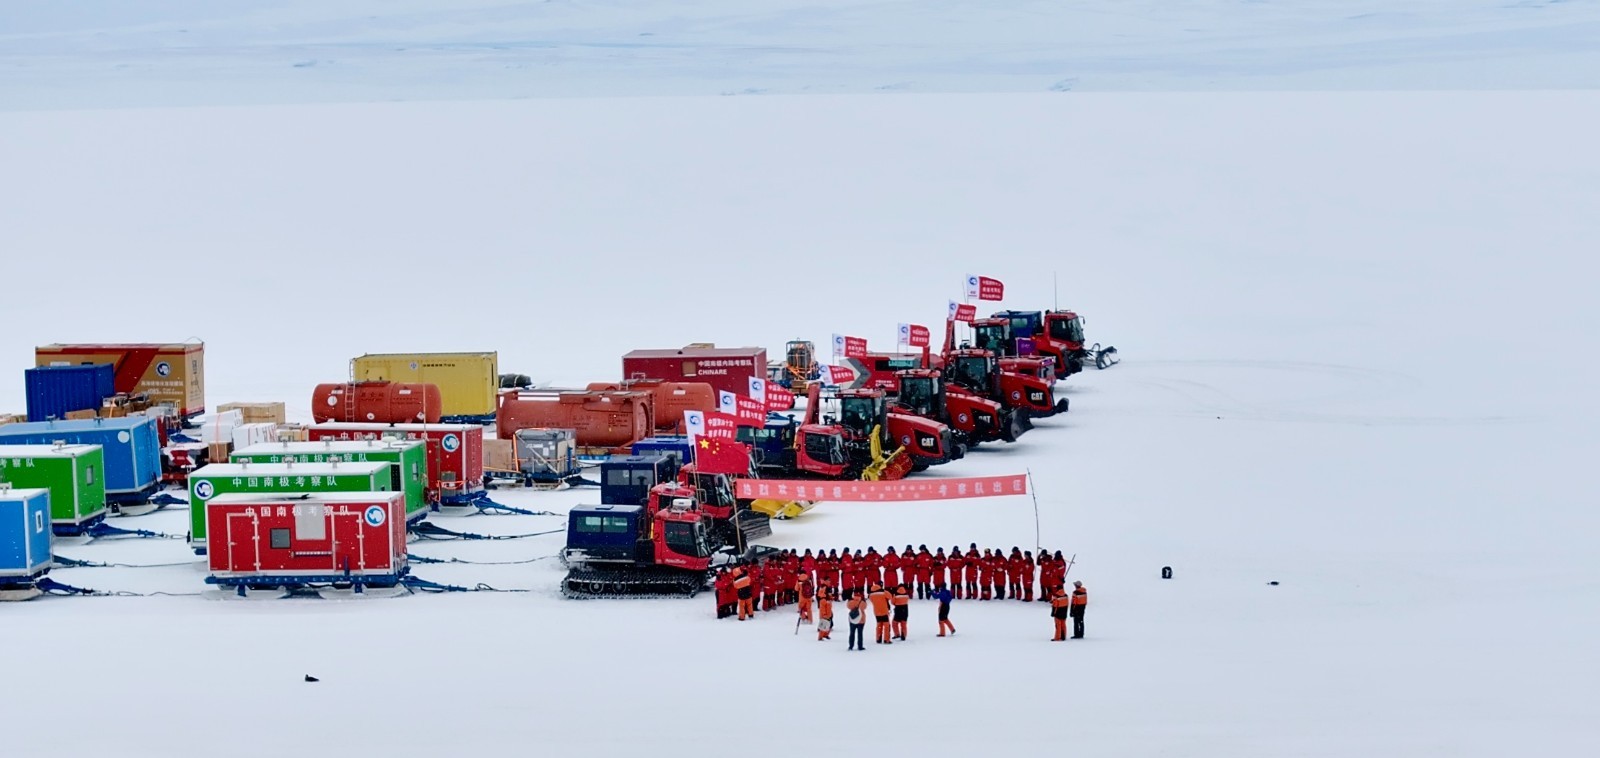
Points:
840	375
884	492
984	288
721	425
778	400
849	347
963	311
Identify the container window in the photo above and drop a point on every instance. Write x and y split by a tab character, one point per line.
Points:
280	539
38	521
616	525
311	522
89	477
617	477
590	524
396	478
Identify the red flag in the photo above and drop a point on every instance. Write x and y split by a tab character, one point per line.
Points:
849	347
752	412
840	375
918	336
714	455
721	425
984	288
778	400
963	311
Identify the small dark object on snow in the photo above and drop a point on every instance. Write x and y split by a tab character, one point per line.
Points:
1273	582
1166	572
311	678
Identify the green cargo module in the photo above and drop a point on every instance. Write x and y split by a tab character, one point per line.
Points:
207	482
74	475
409	456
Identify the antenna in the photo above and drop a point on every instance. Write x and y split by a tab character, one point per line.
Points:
1055	293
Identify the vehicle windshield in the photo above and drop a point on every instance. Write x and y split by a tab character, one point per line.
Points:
687	538
916	393
990	337
714	489
825	448
859	413
972	370
1066	330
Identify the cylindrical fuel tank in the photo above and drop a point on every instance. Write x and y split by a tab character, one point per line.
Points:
598	418
377	402
671	399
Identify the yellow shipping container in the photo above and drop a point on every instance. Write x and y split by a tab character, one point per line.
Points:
468	382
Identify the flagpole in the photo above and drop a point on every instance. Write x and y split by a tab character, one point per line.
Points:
1033	490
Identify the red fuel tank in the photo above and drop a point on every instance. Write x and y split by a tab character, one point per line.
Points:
599	418
671	399
376	402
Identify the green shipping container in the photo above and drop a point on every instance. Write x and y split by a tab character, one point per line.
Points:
74	475
409	456
207	482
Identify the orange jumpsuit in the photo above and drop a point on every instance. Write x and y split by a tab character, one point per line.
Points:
825	613
880	609
1058	611
902	609
741	585
805	590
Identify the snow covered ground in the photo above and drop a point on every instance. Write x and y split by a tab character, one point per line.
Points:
1356	328
104	53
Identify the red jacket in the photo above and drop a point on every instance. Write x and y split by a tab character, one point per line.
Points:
891	569
973	561
956	564
937	563
924	567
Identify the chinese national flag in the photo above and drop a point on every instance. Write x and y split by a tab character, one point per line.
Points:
721	456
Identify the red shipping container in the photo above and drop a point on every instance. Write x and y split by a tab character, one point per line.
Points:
724	368
377	402
598	418
455	452
278	539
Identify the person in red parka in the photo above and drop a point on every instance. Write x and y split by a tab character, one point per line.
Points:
757	578
891	569
872	566
924	572
999	576
771	583
849	577
1026	568
726	599
808	565
985	575
828	572
937	564
1014	573
974	563
957	563
791	567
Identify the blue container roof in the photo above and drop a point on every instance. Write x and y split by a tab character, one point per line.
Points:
76	425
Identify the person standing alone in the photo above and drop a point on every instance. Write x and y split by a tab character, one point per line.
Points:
1080	603
857	618
943	596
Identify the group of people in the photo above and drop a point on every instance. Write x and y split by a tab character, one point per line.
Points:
884	584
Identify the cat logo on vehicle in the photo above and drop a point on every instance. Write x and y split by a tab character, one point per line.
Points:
450	443
1035	396
927	443
375	515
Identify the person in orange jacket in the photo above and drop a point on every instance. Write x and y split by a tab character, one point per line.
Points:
1080	604
902	611
1058	611
957	564
974	563
741	586
804	590
856	606
824	614
879	597
986	570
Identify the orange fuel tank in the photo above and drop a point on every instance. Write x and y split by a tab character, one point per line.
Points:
377	402
671	399
600	418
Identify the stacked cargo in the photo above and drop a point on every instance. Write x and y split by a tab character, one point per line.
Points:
467	382
354	539
257	413
410	457
455	452
259	479
172	374
24	537
132	448
74	475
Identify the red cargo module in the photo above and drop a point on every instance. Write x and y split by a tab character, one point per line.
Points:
671	399
598	418
376	402
724	368
277	540
455	453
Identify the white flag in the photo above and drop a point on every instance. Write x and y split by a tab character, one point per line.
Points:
758	389
953	306
727	402
972	286
905	334
694	422
838	344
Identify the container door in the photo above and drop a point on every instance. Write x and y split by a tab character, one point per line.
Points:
312	541
239	550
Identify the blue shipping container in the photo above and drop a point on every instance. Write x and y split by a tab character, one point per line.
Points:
132	449
55	391
24	534
665	444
